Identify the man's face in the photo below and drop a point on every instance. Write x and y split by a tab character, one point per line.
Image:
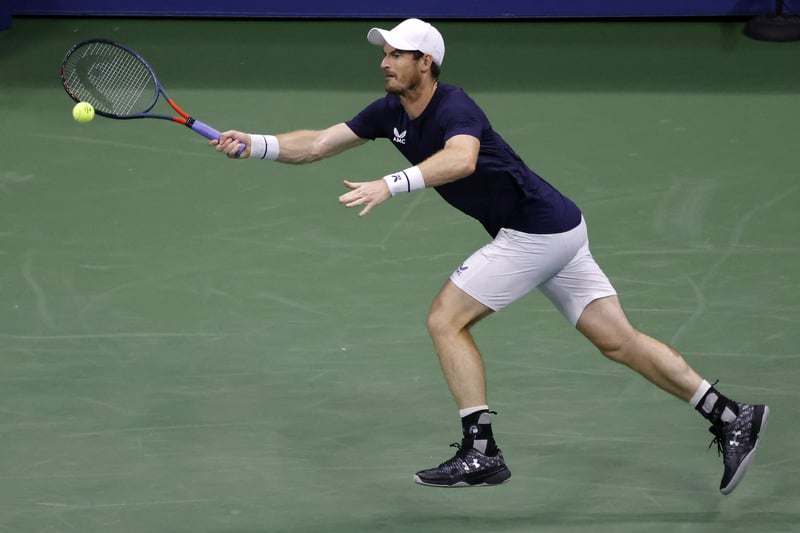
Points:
401	71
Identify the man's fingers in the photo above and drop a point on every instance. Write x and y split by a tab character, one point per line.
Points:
362	194
353	194
355	202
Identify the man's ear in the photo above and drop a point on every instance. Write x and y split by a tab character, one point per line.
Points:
427	62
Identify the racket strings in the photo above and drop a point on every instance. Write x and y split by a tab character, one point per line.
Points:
110	78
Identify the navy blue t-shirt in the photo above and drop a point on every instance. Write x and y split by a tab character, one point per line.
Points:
502	192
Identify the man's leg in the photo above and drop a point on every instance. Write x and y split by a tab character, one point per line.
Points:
452	314
736	427
604	323
478	461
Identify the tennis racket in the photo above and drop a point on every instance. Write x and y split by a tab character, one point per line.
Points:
120	84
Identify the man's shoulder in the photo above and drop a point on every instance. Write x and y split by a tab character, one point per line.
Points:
453	94
450	90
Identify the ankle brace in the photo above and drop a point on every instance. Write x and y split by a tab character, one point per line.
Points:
477	430
717	408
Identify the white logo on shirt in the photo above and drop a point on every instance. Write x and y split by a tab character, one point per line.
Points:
399	138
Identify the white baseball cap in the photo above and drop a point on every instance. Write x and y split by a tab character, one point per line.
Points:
411	35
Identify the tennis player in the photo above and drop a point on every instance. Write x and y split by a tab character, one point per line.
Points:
539	241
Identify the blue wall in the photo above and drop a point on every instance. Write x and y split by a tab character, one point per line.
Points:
5	15
406	8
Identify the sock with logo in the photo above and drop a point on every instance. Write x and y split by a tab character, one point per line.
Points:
714	407
476	424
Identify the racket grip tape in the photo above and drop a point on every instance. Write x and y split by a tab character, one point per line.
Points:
209	133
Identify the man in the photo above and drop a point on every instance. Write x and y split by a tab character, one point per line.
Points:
539	241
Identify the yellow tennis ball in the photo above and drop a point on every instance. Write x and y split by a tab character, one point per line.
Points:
83	112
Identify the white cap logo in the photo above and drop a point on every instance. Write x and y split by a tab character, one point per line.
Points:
411	35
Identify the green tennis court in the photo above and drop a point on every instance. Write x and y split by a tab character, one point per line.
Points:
193	344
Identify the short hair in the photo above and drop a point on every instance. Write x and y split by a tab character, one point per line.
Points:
435	70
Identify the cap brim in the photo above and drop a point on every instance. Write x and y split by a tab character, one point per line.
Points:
379	37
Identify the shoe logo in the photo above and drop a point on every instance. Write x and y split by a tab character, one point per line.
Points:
399	138
475	463
473	430
734	442
461	269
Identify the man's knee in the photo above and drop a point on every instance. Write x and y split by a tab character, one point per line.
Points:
440	320
454	311
617	347
604	323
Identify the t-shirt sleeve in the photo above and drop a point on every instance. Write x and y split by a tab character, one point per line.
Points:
369	123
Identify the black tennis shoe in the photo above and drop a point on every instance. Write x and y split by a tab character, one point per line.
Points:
468	468
737	442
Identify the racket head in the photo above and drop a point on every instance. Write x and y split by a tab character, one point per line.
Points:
117	81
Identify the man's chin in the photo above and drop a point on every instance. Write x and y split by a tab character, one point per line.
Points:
391	88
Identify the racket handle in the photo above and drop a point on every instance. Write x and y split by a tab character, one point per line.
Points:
209	133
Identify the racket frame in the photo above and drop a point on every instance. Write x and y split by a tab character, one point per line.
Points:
183	117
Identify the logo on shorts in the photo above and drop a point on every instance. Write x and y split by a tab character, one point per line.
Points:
399	138
461	269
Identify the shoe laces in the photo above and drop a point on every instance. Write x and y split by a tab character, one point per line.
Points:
451	464
719	436
461	451
718	430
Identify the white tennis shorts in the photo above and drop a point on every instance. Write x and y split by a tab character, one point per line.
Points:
560	265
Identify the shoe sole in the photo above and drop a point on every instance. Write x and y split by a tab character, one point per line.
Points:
745	464
498	478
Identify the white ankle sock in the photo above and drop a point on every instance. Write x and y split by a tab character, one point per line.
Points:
469	410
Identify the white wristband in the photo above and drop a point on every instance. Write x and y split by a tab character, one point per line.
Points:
264	146
406	180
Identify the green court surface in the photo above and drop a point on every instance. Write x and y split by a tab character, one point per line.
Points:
193	344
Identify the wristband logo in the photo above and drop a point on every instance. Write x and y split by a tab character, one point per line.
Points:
399	138
396	178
